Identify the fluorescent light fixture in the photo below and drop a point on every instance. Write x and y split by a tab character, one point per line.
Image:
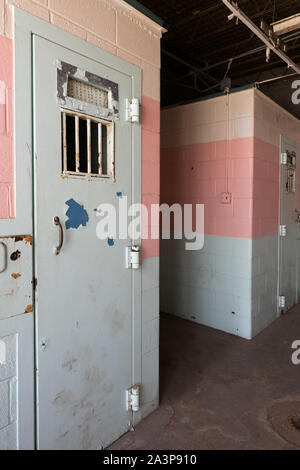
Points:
286	25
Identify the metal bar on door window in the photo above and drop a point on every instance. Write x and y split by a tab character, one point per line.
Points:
110	150
100	148
77	147
64	119
89	147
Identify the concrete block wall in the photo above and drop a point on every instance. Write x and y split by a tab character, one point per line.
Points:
115	26
8	395
270	123
7	206
225	144
207	149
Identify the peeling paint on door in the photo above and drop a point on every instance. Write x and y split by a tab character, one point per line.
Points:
111	242
16	276
76	214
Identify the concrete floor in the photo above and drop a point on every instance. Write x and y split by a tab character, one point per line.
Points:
216	389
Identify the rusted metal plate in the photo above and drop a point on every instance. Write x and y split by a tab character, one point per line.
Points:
16	276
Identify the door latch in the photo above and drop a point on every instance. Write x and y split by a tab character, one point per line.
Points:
4	265
133	257
133	110
282	301
283	230
283	158
133	398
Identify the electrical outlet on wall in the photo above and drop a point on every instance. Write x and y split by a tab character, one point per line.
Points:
226	198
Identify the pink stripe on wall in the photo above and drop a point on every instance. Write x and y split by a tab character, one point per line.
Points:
7	204
200	173
266	189
150	165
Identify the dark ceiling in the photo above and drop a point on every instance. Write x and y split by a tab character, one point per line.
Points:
201	41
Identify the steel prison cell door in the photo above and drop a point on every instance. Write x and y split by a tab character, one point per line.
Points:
289	205
84	294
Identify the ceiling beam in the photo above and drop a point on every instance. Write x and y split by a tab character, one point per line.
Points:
199	72
238	13
198	15
264	68
257	50
230	26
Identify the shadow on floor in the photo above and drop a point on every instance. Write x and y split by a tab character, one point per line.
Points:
216	389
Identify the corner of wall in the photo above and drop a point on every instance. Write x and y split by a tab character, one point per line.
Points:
7	186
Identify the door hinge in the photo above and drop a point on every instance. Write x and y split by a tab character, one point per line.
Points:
133	398
283	158
282	301
283	230
133	110
133	257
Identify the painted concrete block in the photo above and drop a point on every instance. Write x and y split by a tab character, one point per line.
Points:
151	114
150	273
150	305
13	400
8	438
2	17
150	339
101	43
150	372
68	26
151	81
97	17
4	404
31	7
133	59
5	201
139	40
9	368
209	285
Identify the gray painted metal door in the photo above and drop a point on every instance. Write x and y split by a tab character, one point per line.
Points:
84	296
288	217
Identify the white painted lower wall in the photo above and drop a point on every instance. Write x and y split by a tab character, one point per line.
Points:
150	338
211	286
17	383
264	282
230	285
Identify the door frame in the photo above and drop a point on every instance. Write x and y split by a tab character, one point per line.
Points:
285	140
26	26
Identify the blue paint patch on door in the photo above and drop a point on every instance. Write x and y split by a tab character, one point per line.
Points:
111	242
77	215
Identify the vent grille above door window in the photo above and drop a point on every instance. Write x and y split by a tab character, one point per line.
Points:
87	146
88	93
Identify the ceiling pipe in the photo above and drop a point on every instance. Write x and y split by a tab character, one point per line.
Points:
237	57
202	73
239	14
275	79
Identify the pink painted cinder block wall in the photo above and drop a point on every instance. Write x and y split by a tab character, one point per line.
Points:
150	165
198	164
207	150
7	205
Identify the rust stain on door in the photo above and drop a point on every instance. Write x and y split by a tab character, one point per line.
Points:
16	275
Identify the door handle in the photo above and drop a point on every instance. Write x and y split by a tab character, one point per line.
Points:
5	257
61	236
